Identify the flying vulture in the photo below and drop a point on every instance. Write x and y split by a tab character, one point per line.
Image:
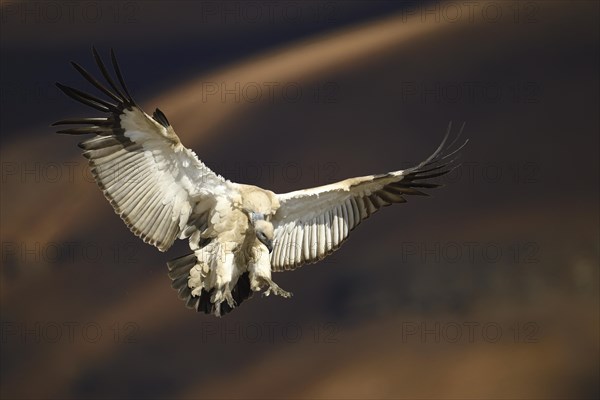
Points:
238	233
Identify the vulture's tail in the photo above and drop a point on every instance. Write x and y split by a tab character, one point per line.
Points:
179	272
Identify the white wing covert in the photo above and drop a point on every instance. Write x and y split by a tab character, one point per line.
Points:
310	224
158	187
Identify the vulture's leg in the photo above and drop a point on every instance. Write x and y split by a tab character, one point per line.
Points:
260	273
226	276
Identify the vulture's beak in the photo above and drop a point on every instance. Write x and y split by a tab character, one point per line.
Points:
268	243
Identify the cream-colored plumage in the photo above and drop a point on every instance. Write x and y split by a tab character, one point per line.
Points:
238	233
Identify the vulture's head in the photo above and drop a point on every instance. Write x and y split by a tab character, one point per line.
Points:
263	230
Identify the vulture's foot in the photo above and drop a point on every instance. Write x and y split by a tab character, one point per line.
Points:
229	298
222	294
275	289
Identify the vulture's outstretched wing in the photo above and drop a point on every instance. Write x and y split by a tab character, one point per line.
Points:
310	224
156	185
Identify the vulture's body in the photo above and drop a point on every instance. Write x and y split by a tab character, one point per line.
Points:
238	233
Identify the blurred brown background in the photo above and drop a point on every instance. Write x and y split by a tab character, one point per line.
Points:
489	289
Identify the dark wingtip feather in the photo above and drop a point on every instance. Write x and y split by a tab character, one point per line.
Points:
442	152
120	75
82	98
95	82
83	121
85	130
107	76
432	167
160	117
87	99
64	132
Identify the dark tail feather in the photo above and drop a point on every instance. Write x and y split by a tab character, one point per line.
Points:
179	270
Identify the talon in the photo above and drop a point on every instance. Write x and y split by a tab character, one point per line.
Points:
283	293
218	308
230	301
273	287
217	297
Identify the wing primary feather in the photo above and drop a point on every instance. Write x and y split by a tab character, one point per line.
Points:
377	201
452	168
409	190
424	185
88	99
389	196
94	82
82	121
460	131
434	175
439	157
438	150
113	57
102	142
160	117
395	188
107	76
86	130
454	151
421	171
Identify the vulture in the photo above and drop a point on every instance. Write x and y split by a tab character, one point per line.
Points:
238	234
